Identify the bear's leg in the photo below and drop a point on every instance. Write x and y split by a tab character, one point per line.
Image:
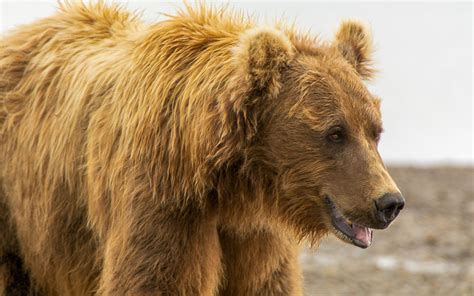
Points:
162	252
14	279
262	263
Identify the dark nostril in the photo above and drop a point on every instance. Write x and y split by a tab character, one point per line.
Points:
389	205
401	205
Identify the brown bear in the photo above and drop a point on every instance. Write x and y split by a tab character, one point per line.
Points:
185	157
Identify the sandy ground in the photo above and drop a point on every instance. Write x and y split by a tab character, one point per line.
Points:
428	250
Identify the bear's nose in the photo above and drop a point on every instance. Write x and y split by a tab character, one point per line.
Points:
388	206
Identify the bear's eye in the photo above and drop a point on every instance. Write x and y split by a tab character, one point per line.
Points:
336	134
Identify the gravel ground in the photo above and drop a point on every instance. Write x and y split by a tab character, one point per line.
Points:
428	250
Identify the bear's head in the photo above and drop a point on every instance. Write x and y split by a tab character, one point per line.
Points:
307	118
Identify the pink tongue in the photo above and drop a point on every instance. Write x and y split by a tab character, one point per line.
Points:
363	234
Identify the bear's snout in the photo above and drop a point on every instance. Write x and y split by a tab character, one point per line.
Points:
388	207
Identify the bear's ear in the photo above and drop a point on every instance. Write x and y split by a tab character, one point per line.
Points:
354	42
260	56
258	59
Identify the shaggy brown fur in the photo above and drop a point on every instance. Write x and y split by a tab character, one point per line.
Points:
180	158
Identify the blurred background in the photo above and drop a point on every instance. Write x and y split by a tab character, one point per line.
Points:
424	57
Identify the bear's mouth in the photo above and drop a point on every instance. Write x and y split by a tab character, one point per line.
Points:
346	230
